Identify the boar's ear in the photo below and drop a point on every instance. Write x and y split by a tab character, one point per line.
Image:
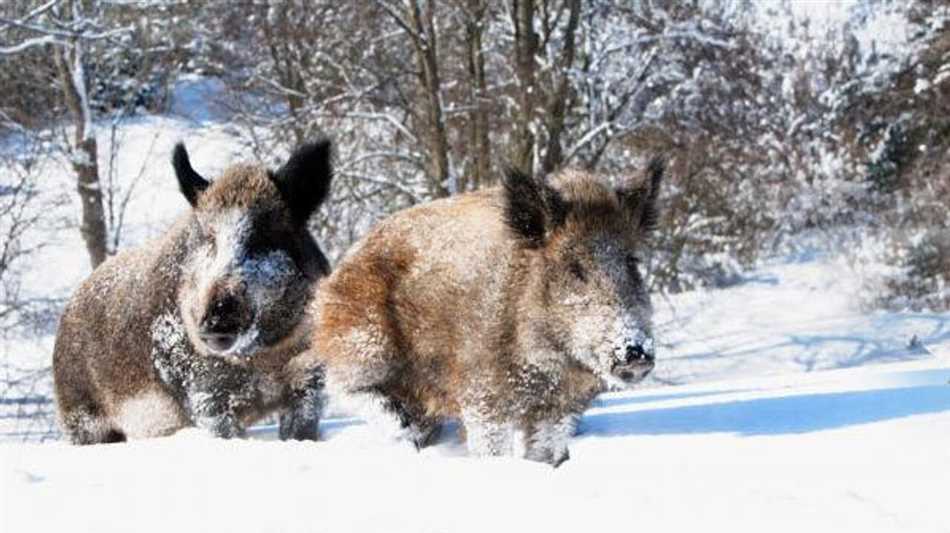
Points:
190	182
532	208
640	200
304	180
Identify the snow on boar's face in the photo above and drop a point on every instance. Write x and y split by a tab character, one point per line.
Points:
586	294
250	260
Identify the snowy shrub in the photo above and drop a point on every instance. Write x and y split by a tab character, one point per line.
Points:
132	71
28	98
903	272
25	388
23	210
896	119
123	81
887	158
921	280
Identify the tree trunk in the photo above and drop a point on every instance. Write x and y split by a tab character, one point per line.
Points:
559	100
426	45
93	228
85	153
521	154
480	167
277	37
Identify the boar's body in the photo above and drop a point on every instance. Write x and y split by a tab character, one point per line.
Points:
131	360
139	381
446	310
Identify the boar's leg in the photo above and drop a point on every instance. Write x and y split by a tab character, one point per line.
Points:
85	425
381	409
415	426
217	394
216	403
546	440
395	419
485	436
301	419
426	433
212	413
81	415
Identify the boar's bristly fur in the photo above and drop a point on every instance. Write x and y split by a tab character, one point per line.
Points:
509	308
198	327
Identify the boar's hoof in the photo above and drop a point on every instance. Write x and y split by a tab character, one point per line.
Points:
295	427
425	435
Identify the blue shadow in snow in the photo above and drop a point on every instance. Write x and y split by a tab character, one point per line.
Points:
770	280
328	427
774	416
602	401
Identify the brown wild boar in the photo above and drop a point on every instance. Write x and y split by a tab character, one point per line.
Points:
509	308
197	327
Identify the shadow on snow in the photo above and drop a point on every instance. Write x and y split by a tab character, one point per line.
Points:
774	416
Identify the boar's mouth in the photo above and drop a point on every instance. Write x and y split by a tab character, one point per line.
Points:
235	339
227	326
239	344
634	361
631	372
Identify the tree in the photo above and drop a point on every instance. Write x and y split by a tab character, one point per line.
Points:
67	27
419	20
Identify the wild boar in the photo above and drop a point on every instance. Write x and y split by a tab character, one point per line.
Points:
510	309
197	327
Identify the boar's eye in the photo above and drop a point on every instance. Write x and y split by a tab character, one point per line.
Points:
577	270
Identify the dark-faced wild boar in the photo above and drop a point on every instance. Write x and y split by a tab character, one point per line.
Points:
509	308
197	328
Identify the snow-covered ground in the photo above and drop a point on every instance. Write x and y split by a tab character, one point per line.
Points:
849	450
777	404
792	315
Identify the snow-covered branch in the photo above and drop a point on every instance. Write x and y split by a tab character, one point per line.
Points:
30	43
65	34
386	117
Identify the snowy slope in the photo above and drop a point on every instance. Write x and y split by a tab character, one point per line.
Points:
793	314
849	450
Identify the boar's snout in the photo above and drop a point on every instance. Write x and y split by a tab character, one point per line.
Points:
638	354
634	360
226	318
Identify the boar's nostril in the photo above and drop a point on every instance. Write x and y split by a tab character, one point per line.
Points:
636	354
223	322
226	306
223	316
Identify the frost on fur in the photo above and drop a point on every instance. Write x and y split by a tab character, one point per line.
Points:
197	328
509	308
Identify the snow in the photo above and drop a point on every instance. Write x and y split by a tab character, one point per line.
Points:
860	449
793	315
777	404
